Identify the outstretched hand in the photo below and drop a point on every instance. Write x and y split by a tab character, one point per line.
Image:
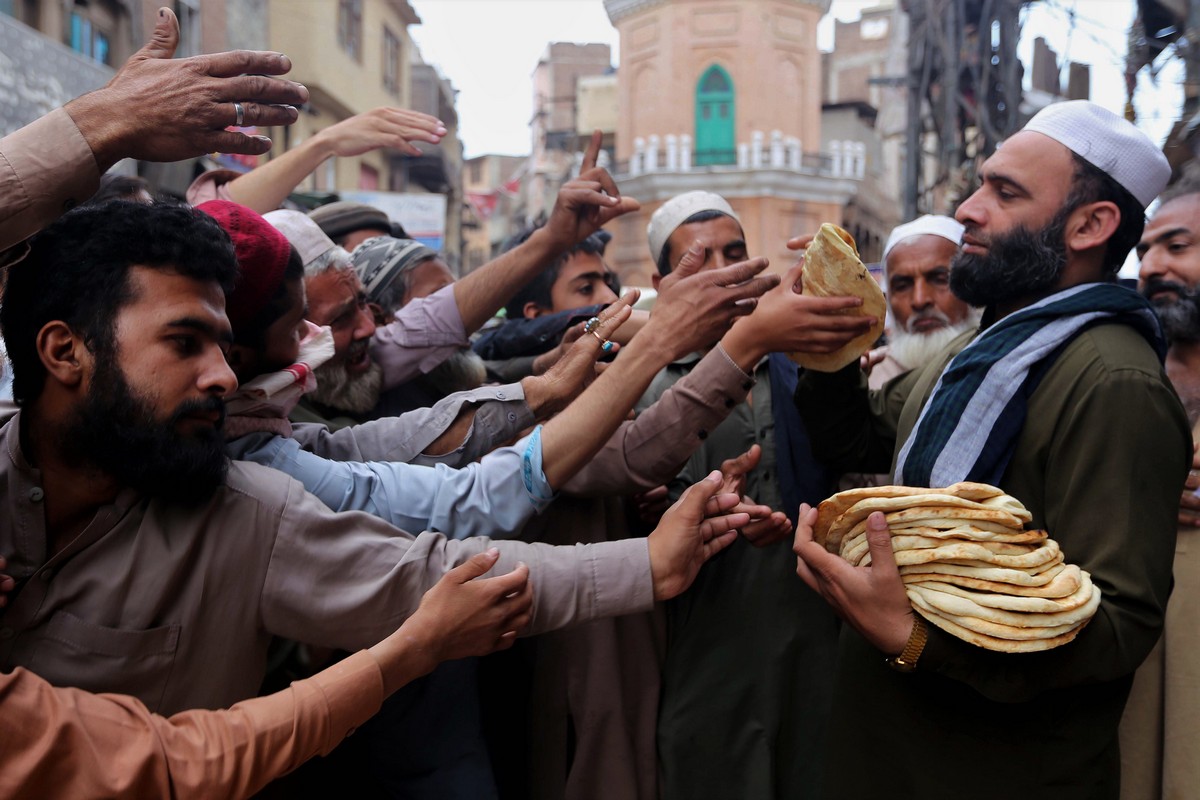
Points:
787	320
159	108
587	203
697	527
396	128
695	308
469	615
577	368
765	526
872	598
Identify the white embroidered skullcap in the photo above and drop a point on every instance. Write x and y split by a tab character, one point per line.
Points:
671	214
304	234
930	224
1108	142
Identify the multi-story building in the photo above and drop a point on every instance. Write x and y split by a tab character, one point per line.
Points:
864	101
354	56
491	186
555	124
724	97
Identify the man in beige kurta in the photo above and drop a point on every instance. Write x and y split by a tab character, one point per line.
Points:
1160	731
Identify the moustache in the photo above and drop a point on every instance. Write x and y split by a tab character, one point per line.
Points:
1154	286
926	314
209	405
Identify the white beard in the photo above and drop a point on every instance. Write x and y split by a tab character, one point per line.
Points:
915	350
354	394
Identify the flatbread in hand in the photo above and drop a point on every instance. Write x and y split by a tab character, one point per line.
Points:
832	268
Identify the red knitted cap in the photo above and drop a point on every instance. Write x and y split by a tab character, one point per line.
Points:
262	255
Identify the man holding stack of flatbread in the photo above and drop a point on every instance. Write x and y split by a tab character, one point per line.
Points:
1060	400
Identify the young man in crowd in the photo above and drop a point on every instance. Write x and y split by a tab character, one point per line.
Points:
1160	739
1088	435
749	652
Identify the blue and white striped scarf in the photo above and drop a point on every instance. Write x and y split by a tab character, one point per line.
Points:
969	428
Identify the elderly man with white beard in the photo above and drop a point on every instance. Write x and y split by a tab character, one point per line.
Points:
925	314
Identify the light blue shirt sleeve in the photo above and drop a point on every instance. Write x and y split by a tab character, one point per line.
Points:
494	497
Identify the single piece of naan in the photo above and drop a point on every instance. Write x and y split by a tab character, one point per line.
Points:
832	268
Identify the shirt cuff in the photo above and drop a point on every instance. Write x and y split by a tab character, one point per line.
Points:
536	485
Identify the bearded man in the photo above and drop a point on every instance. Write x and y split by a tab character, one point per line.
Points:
1160	738
1079	423
926	315
395	272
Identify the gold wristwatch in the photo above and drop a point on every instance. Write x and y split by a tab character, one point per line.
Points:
907	660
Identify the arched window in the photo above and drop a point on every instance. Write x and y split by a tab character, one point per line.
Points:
714	118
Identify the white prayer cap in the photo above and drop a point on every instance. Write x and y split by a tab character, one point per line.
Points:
1108	142
931	225
671	214
304	234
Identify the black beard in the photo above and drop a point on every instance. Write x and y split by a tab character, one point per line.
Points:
115	431
1180	318
1018	264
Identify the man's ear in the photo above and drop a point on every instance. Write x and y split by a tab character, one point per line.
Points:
1092	225
531	310
63	353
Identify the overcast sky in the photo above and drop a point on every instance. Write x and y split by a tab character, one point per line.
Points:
489	48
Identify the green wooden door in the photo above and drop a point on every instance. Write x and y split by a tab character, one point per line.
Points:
714	118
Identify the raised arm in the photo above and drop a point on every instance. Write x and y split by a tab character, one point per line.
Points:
156	108
266	186
64	742
583	206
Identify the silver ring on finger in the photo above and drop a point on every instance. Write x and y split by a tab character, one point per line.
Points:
241	114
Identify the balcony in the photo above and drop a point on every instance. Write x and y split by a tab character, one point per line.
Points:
673	154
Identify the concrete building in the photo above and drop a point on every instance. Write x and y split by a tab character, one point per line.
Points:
554	128
354	56
864	104
52	52
491	186
724	97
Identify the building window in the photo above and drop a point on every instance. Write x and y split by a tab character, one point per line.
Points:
391	61
350	27
89	40
714	118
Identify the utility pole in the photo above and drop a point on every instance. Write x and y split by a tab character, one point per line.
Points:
975	101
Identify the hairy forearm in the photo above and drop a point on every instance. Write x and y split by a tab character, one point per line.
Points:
266	187
482	293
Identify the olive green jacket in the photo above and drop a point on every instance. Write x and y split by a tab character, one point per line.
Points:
1100	464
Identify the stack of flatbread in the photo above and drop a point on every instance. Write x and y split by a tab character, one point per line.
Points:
968	564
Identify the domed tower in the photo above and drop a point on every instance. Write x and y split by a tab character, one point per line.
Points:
726	97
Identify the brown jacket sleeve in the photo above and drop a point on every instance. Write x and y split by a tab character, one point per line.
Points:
46	169
651	450
61	742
